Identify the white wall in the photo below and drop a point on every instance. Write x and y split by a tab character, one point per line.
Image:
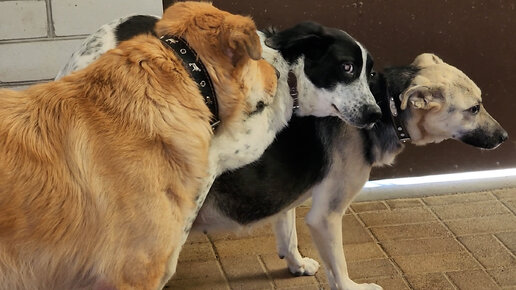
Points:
38	36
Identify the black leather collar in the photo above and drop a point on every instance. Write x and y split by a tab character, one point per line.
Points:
198	73
399	127
292	86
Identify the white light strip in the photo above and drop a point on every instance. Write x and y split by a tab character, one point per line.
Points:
438	184
474	175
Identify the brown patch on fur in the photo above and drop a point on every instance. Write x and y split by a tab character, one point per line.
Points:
99	170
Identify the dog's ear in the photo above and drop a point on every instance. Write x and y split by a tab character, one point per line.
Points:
426	59
422	97
239	39
310	38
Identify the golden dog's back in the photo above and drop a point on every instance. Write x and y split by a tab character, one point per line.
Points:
75	166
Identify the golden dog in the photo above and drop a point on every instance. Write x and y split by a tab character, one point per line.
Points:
99	170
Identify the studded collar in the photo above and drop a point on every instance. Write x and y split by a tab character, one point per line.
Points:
394	109
197	71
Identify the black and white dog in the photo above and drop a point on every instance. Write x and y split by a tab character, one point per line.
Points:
330	70
330	161
323	72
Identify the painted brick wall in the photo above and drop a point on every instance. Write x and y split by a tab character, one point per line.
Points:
38	36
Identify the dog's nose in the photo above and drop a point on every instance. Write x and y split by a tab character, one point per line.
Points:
504	136
371	114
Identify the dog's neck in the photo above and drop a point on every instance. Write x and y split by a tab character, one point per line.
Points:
198	73
383	139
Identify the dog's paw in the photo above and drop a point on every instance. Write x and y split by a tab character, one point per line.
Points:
304	267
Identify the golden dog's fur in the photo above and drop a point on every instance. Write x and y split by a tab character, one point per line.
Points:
98	170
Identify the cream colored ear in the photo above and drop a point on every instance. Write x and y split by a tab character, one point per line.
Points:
421	98
426	59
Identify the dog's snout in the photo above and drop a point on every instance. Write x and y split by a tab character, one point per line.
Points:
371	114
504	136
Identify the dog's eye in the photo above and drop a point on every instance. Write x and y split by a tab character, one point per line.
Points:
372	74
474	110
348	67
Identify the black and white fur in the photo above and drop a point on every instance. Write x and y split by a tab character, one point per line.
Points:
320	58
330	161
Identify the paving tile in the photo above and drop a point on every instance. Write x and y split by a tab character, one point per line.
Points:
488	251
404	203
304	287
412	231
387	283
352	252
368	206
197	237
509	240
490	224
251	246
472	280
353	232
302	211
430	263
505	276
364	251
281	276
198	275
421	246
429	281
511	204
363	270
197	252
509	193
470	210
197	284
458	198
245	272
371	268
398	216
246	233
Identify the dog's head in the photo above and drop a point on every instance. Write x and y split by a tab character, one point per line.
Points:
335	68
231	51
447	104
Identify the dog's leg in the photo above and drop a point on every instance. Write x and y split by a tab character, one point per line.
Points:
286	242
330	199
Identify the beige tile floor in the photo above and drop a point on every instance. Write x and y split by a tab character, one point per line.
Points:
460	241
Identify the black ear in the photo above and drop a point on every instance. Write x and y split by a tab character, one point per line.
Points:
307	38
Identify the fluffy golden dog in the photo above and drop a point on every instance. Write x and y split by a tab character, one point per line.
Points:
99	169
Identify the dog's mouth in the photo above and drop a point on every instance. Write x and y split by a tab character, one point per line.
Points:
343	117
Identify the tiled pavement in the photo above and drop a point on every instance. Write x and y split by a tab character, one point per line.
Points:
461	241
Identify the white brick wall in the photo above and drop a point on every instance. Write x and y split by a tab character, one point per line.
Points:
23	19
87	17
38	36
33	61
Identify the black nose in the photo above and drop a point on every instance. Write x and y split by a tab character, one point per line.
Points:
504	136
371	114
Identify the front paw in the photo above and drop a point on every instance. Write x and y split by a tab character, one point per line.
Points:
304	267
